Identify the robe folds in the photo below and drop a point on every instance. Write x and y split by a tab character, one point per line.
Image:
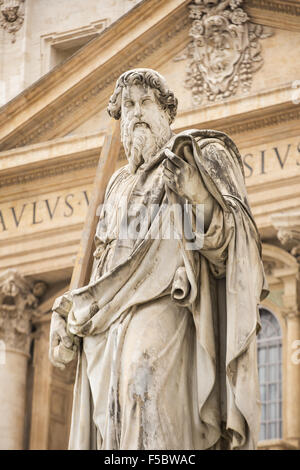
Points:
168	352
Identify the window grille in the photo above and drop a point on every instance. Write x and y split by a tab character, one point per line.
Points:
269	344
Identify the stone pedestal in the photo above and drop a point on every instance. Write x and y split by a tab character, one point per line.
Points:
17	304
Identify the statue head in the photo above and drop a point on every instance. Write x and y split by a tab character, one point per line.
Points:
146	107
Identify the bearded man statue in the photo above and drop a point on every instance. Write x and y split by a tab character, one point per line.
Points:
166	328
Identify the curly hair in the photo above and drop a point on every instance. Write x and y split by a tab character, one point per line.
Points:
165	97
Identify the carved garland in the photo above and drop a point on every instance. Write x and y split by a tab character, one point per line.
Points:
224	51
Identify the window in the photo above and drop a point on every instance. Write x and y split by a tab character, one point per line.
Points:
270	376
57	47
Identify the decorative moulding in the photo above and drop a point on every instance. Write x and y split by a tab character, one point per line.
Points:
286	7
265	121
281	14
90	152
53	170
68	40
99	84
27	118
280	267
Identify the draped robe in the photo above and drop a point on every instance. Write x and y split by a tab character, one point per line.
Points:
168	356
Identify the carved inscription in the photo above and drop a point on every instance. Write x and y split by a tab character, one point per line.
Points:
44	210
63	208
272	158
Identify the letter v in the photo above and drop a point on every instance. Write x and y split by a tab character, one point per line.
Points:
16	219
282	163
51	213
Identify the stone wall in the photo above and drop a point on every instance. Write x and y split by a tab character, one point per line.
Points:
50	33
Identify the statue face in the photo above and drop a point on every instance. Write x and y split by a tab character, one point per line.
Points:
141	108
144	124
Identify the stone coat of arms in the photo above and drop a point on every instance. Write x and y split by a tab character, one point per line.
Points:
224	51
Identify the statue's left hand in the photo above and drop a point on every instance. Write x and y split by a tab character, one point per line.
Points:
63	345
184	179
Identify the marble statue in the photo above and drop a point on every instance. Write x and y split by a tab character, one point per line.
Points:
165	331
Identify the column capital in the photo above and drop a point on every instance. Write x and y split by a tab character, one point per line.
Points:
19	298
290	312
288	231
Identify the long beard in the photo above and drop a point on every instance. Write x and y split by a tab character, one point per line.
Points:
141	142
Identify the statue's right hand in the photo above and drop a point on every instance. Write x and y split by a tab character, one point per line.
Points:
63	346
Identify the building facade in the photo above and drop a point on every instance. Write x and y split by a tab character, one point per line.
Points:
234	66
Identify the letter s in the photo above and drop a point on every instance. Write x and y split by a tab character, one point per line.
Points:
246	164
69	205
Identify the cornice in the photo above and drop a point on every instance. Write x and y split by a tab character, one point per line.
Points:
86	149
284	13
76	89
73	91
42	154
273	183
51	158
53	170
287	7
51	126
252	120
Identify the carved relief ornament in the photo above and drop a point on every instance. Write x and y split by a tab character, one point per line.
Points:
18	300
224	51
11	15
288	231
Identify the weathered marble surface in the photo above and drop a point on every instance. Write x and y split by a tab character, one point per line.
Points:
167	348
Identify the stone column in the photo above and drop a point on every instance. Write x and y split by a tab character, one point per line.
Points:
17	304
288	232
293	379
